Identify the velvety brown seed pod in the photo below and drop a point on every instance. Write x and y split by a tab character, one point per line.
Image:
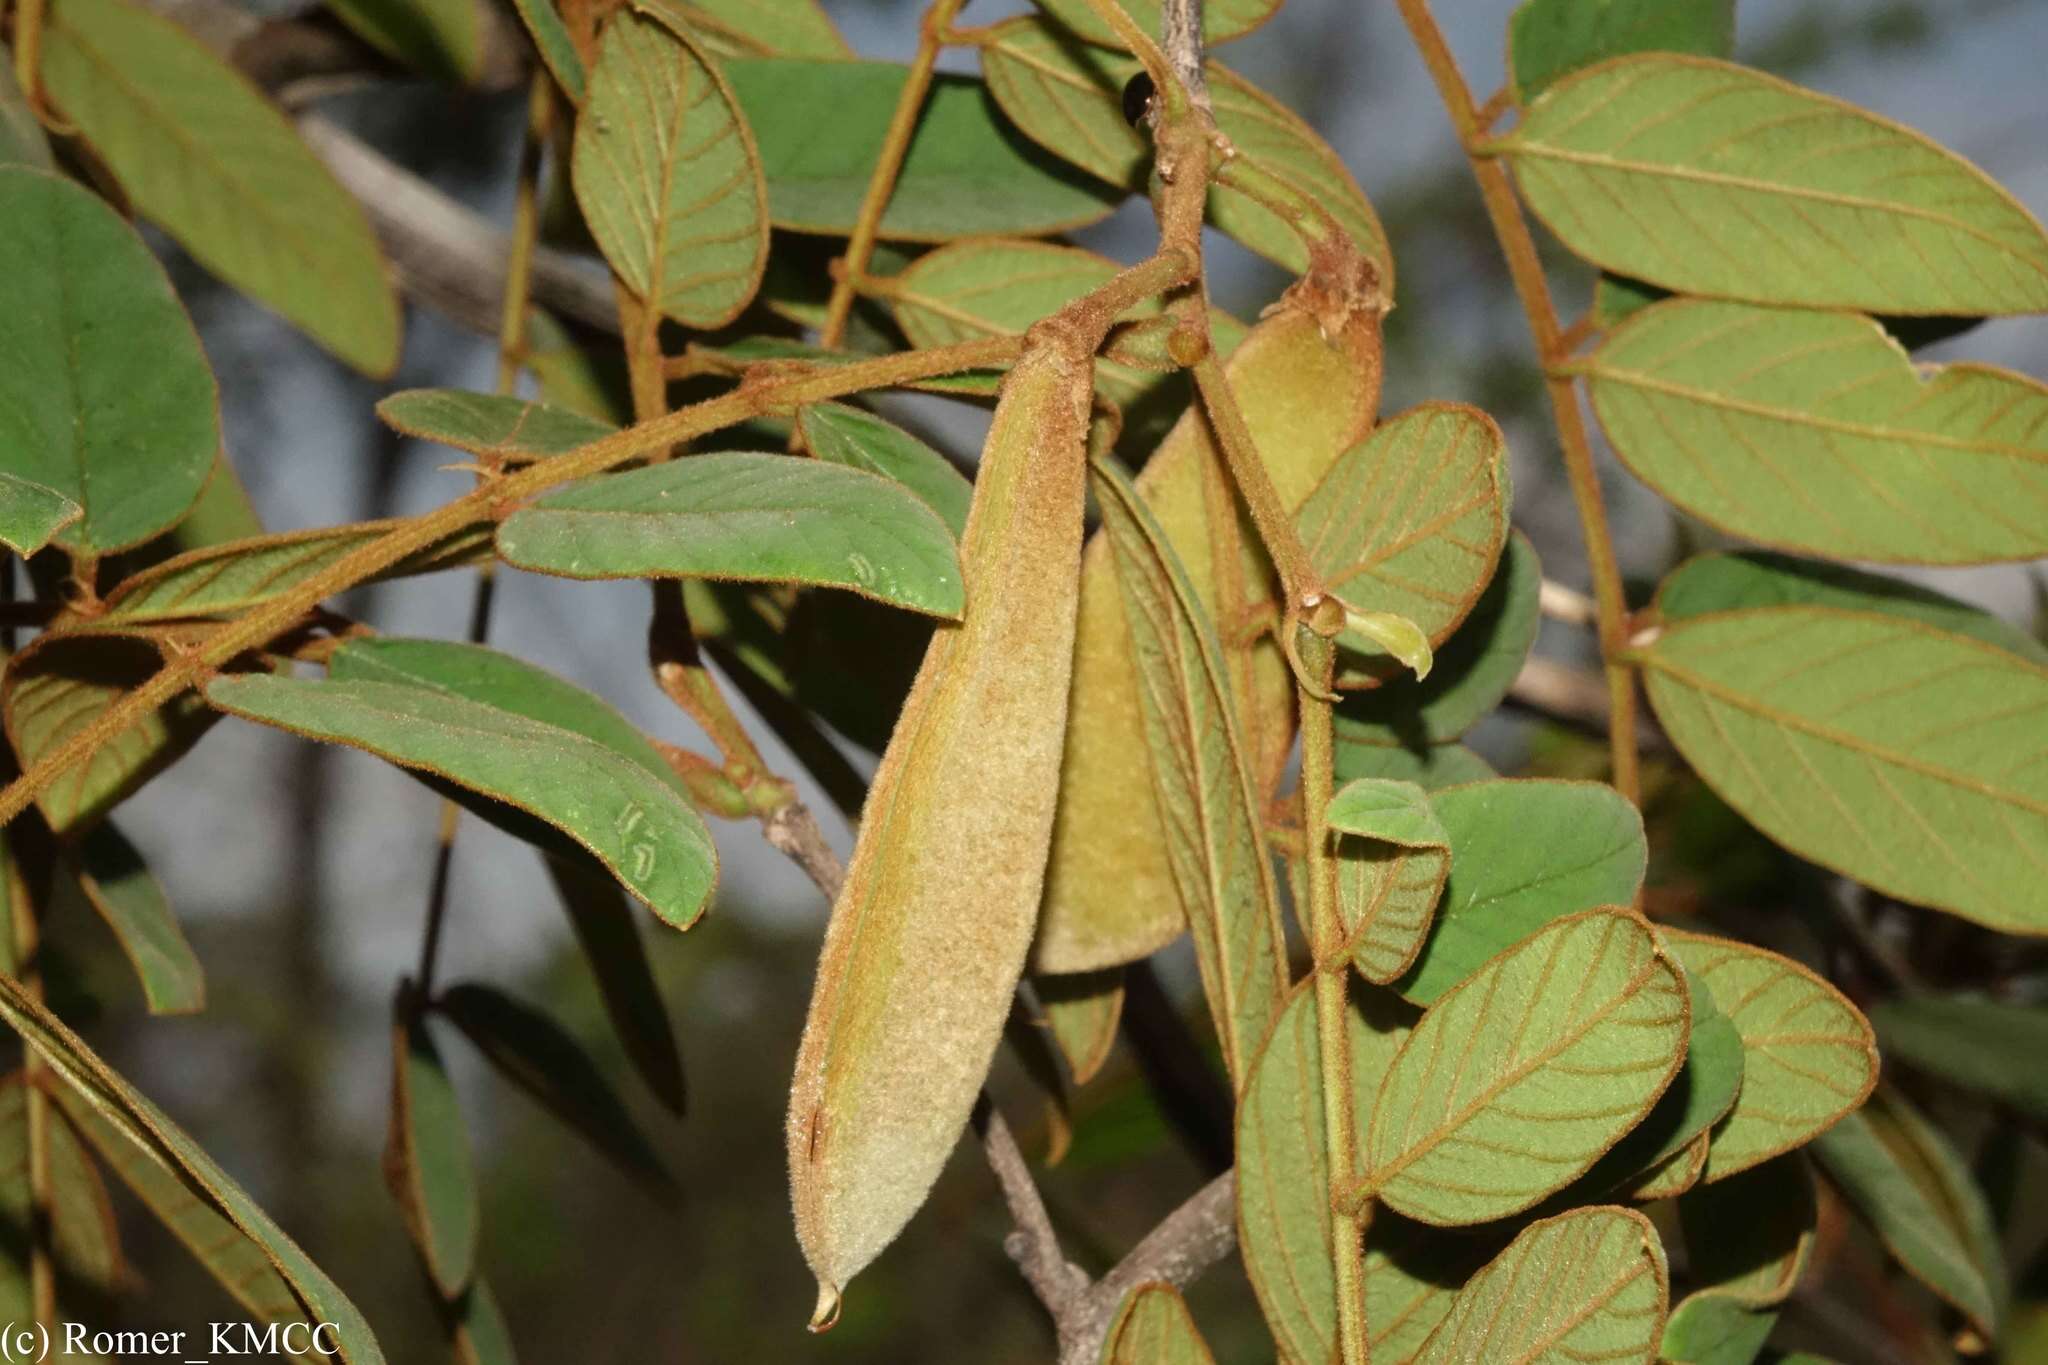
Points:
1308	379
927	939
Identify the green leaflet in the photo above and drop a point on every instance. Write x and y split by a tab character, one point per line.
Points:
1916	1193
106	400
1523	853
503	730
1537	1063
1153	1327
965	175
534	1053
749	515
1433	768
1068	98
496	426
478	1327
1814	431
1222	20
60	685
1283	1214
610	935
121	887
840	433
1587	1285
1747	1240
969	290
1808	1056
556	48
1742	186
1208	802
1700	1096
1411	521
427	1160
1732	582
754	28
1983	1045
235	1261
31	515
668	177
213	163
1911	749
85	1246
1472	672
440	37
158	1141
22	141
227	579
1082	1010
1392	859
1550	39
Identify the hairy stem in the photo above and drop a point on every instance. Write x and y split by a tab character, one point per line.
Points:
860	246
1332	980
753	398
1525	268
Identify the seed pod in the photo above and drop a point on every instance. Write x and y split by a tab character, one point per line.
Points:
928	936
1308	379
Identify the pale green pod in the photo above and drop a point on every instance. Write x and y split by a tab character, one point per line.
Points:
928	937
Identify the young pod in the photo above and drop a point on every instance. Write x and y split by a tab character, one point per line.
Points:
1308	379
928	937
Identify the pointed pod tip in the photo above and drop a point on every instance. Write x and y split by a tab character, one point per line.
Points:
827	1311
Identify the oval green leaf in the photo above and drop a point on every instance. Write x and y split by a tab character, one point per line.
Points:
745	515
1709	178
1392	859
1201	776
31	514
668	177
610	935
1068	98
965	175
1990	1046
1733	582
1814	431
1912	751
538	1056
1283	1182
106	400
496	426
213	163
1082	1010
427	1162
754	28
1153	1327
1472	671
1747	1242
1808	1056
1411	521
235	1262
839	433
504	730
131	901
1222	20
225	580
1916	1192
1520	1077
440	37
1550	39
61	685
1523	853
155	1139
1587	1285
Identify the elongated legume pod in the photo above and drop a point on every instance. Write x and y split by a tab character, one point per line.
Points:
1308	379
928	937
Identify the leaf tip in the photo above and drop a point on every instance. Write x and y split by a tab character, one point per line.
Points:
827	1312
